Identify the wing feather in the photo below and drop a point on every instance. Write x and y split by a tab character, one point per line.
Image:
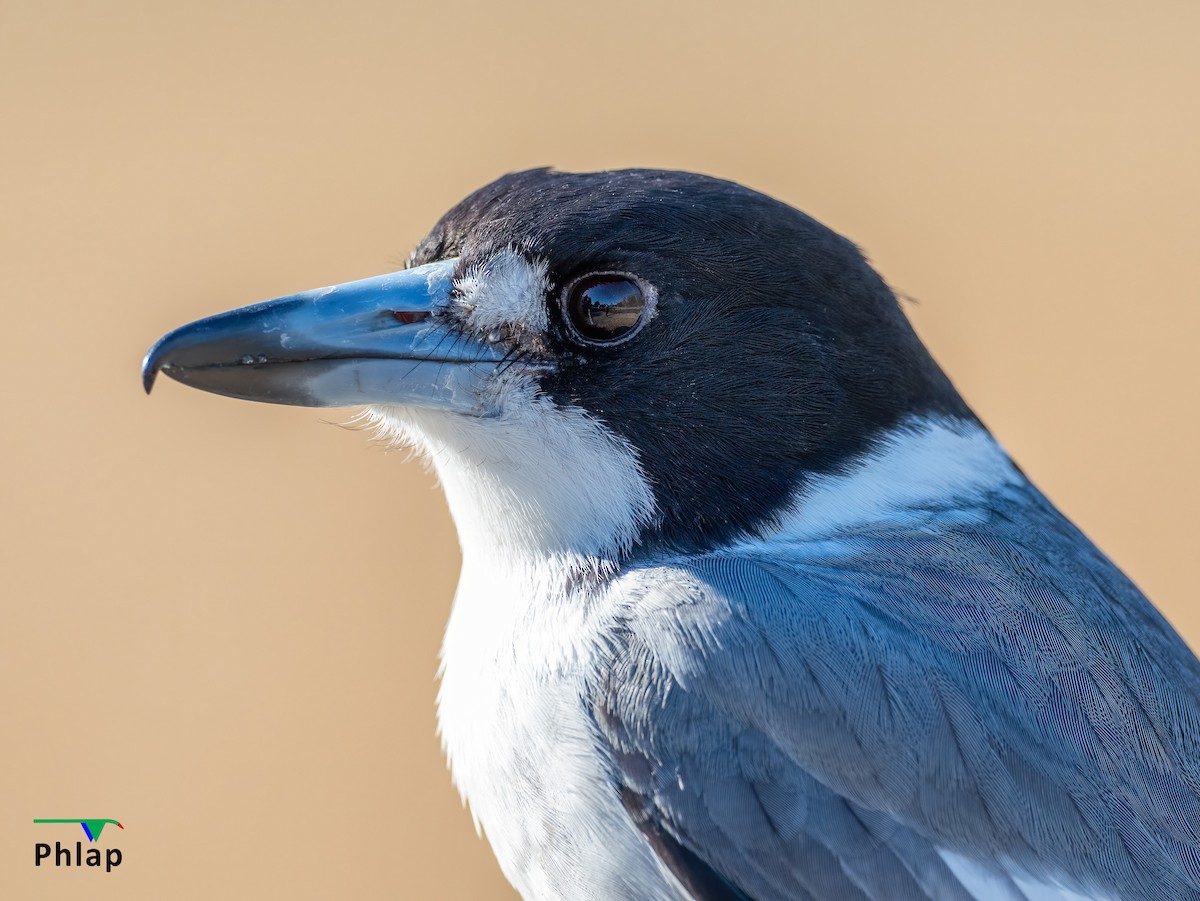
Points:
831	719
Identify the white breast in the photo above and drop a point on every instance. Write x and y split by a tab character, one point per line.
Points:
538	493
523	749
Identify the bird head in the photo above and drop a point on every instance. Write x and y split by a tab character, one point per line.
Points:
598	364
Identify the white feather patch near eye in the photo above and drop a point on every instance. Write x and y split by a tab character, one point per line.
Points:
506	290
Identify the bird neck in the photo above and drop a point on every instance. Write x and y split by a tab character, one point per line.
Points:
540	488
924	466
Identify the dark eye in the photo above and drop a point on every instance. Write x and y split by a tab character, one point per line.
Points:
605	308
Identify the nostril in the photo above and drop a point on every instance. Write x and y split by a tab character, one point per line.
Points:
408	317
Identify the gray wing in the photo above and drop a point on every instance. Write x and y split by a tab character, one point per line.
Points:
846	719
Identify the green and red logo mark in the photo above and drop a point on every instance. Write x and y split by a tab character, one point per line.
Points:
61	855
91	828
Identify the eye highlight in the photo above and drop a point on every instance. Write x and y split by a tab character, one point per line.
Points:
606	307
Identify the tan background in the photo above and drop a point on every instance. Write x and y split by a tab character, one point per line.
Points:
220	619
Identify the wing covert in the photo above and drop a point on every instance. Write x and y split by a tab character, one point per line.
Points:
828	719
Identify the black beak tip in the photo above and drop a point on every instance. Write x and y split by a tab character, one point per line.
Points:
151	365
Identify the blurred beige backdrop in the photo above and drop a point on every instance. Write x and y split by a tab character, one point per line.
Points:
220	620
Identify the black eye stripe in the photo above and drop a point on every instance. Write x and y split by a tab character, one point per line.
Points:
605	308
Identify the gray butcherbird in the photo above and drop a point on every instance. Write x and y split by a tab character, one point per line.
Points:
752	605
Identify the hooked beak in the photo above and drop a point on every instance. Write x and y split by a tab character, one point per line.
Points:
373	341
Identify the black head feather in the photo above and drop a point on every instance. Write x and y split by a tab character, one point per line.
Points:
776	351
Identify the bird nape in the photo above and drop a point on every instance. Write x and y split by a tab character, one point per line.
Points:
752	605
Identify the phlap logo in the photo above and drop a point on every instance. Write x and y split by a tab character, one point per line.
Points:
62	853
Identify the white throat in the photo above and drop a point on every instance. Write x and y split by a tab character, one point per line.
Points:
537	483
